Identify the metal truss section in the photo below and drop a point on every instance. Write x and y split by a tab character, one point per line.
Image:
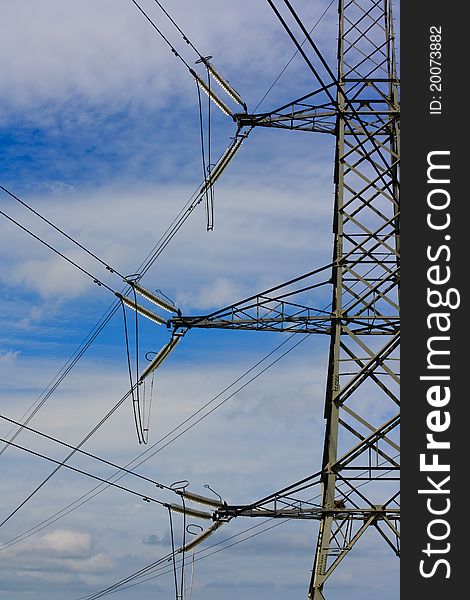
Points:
268	316
358	480
362	393
282	309
350	514
298	116
304	116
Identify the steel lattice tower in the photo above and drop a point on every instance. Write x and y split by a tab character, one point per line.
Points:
365	282
359	472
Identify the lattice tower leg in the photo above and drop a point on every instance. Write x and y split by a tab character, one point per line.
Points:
360	457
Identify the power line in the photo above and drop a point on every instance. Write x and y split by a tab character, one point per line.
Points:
114	587
135	398
209	191
183	552
65	370
152	567
173	554
66	258
82	472
293	56
149	452
69	260
61	231
298	46
220	80
339	88
151	257
302	339
158	248
185	38
161	34
201	135
185	212
75	449
351	286
188	428
164	240
89	454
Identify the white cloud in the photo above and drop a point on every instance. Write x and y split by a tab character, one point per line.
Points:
62	556
108	55
63	542
219	292
9	356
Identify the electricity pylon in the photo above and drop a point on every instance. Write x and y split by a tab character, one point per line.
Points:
359	105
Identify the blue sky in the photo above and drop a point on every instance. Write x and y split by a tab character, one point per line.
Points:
99	131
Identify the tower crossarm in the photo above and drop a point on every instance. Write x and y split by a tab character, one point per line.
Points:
296	116
272	315
288	307
344	514
365	111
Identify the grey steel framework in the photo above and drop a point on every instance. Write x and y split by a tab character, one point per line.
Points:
359	473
